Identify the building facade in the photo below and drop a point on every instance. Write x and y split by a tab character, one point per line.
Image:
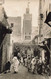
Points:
5	38
45	29
16	23
45	8
5	50
27	25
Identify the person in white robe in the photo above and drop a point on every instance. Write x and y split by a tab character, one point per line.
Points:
33	62
15	64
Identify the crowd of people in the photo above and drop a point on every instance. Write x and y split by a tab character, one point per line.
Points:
32	61
35	62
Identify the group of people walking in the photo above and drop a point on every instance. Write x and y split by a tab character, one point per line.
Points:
37	66
37	63
31	60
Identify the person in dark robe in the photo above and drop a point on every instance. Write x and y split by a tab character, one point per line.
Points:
7	67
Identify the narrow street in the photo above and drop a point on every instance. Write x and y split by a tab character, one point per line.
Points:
22	74
25	36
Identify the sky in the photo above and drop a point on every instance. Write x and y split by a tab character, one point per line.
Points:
16	8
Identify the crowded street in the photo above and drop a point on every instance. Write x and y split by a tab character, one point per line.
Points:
23	74
25	39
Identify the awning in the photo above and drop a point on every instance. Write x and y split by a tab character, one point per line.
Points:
48	19
5	22
5	14
48	36
8	30
3	17
5	26
42	46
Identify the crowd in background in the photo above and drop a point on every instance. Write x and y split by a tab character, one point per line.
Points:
33	60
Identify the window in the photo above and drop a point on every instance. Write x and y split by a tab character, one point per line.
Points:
41	16
27	37
12	24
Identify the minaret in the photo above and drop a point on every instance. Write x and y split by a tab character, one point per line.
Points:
27	9
27	23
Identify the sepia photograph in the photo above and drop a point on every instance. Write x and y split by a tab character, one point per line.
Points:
25	39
